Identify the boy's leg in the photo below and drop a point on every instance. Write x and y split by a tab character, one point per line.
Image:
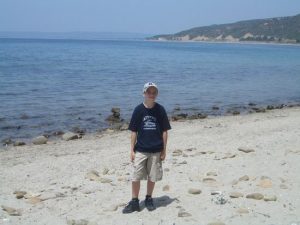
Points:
150	187
135	189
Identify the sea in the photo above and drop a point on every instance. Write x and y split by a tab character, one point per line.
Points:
49	85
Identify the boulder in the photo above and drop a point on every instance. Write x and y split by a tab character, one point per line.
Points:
69	136
40	140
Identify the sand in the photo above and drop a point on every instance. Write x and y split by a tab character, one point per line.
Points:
62	185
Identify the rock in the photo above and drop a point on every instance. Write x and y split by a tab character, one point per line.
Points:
242	210
124	126
256	196
105	171
34	200
166	188
20	194
270	198
177	152
19	143
216	223
283	186
58	133
179	116
111	208
40	140
270	107
194	191
183	162
115	117
236	195
105	180
11	211
78	222
7	141
78	130
211	173
265	183
234	182
228	155
258	110
69	136
208	180
93	175
216	192
245	150
166	169
251	104
115	110
183	213
215	108
244	178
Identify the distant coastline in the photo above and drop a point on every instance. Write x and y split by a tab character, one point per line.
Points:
281	30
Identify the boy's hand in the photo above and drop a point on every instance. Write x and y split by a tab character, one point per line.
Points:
132	155
163	155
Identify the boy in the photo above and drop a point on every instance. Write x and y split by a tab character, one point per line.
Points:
149	125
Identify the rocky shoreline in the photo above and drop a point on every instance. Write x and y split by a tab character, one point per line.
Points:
235	170
116	123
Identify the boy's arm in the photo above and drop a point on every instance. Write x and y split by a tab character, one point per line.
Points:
133	141
165	140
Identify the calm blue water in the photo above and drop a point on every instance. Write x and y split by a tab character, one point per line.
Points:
56	82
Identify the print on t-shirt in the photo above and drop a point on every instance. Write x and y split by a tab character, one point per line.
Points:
149	123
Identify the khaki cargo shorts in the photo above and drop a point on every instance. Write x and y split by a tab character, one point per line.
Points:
147	166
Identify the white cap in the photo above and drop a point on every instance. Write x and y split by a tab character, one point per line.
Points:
149	84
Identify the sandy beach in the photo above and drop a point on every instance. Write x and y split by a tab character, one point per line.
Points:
237	169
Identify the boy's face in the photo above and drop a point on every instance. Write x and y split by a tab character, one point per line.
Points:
151	94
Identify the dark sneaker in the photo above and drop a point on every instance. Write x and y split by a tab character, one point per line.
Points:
149	203
132	206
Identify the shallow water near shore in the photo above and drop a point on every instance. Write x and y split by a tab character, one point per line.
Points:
50	85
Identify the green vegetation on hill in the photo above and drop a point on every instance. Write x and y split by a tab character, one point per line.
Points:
279	30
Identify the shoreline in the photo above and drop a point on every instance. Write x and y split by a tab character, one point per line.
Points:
229	42
119	124
250	161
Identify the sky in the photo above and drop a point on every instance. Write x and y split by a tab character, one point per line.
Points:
137	16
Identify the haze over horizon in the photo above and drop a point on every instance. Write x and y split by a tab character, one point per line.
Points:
133	16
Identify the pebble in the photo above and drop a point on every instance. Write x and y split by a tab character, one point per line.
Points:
256	196
194	191
177	152
93	175
209	180
283	186
69	136
34	200
245	150
211	173
183	213
216	223
40	140
80	222
265	183
11	211
105	171
236	195
166	188
243	210
20	194
111	208
270	198
244	178
19	143
105	180
183	162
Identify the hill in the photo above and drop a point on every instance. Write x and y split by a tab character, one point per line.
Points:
278	30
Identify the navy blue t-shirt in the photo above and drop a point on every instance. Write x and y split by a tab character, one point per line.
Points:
149	123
